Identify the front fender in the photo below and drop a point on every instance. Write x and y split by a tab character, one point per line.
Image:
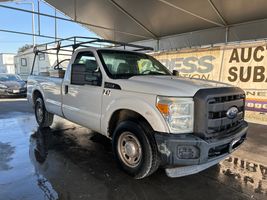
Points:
145	109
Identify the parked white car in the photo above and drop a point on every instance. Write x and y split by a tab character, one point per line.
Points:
152	117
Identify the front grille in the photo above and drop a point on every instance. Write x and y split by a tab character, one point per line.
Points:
211	106
217	109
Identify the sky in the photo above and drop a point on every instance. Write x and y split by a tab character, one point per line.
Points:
21	21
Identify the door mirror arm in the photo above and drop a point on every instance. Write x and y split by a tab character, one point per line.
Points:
175	72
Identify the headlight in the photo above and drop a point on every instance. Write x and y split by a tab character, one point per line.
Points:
3	86
178	113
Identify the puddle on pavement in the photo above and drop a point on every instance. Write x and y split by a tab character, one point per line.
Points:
68	162
6	155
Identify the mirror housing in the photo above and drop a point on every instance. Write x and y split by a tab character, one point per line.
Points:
175	72
80	75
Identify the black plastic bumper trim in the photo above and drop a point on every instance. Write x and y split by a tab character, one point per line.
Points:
168	144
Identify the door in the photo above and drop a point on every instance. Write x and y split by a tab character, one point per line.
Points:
82	99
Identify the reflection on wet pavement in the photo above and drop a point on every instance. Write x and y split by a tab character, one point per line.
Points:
250	174
6	155
71	162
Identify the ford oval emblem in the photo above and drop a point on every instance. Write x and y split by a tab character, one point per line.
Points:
232	112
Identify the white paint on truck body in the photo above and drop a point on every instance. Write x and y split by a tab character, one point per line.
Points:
88	106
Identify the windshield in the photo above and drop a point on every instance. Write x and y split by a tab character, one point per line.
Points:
121	64
9	77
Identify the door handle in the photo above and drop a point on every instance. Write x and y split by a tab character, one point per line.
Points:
66	89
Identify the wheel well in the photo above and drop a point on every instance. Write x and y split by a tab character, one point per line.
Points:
122	115
35	95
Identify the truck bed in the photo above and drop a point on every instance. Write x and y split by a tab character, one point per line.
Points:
52	92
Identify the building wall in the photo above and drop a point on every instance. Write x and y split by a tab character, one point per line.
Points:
43	63
7	63
23	62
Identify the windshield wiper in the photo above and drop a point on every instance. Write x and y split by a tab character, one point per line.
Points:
156	73
123	76
127	76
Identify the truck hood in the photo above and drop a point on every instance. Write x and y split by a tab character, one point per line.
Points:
167	85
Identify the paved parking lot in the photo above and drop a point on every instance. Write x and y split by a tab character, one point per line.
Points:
71	162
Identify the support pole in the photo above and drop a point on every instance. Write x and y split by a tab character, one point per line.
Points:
157	45
226	34
39	21
55	24
33	25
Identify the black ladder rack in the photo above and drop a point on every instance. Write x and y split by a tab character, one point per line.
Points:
78	41
69	45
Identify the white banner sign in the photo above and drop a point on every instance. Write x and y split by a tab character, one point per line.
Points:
243	65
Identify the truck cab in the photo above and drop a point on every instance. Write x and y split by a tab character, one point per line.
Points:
154	119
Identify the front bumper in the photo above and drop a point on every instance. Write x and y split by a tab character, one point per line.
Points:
13	92
205	152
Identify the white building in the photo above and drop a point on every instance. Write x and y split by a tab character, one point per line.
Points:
7	63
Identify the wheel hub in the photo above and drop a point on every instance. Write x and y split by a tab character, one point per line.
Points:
129	149
40	113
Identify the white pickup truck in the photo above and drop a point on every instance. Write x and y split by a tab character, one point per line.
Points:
152	117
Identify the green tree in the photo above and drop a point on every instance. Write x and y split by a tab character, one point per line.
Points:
24	48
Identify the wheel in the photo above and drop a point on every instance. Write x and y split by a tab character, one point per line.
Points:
135	149
43	117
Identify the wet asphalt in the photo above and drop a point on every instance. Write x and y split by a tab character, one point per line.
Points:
70	162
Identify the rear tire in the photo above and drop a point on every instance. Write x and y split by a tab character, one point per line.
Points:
135	149
43	117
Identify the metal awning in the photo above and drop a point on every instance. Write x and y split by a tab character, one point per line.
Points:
163	24
136	20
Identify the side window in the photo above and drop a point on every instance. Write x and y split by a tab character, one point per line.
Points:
23	62
91	74
41	56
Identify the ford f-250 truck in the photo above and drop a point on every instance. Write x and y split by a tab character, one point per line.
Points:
152	117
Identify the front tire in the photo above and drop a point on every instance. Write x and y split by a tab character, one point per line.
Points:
43	117
135	149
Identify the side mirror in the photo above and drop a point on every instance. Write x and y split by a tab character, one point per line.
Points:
93	77
175	72
78	74
81	75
